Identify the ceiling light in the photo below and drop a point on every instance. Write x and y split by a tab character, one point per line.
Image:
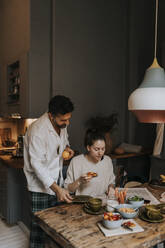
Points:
148	101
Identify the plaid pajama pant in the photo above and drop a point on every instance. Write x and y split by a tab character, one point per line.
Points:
38	202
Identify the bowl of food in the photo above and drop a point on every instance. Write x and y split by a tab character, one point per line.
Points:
112	220
153	212
127	211
136	201
111	204
94	204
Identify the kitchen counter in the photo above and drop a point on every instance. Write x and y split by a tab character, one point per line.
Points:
69	226
12	188
8	160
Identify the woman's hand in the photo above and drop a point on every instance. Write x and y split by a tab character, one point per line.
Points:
72	187
84	179
111	190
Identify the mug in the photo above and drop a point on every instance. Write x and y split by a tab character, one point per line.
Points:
95	204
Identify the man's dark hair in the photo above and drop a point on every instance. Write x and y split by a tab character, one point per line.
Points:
93	135
60	105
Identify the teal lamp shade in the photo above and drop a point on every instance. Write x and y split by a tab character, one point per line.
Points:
148	101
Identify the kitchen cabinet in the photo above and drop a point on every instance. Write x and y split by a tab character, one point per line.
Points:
25	203
10	193
26	52
13	191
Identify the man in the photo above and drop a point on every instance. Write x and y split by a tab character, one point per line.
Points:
44	143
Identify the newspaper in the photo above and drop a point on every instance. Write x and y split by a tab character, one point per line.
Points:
141	192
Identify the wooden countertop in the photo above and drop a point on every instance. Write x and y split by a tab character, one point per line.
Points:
69	226
8	160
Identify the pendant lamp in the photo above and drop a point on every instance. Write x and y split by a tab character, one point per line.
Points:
148	101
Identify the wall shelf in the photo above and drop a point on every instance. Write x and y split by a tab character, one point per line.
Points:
13	77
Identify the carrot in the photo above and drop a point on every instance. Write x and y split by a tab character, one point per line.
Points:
122	197
124	194
116	193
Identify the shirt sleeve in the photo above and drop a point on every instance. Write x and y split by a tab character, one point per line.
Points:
37	153
112	176
70	178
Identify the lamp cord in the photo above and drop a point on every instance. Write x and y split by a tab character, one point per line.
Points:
156	27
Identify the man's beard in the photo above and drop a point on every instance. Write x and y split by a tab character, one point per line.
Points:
60	126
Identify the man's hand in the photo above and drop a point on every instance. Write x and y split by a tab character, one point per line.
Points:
70	153
62	194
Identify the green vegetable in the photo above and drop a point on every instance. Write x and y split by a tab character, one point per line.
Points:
135	198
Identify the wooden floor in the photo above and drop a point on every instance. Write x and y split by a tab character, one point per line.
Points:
12	236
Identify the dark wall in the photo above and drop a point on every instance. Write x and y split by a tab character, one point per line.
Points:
89	59
101	50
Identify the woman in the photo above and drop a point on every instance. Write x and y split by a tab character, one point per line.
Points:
79	180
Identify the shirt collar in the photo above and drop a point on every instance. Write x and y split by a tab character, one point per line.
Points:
51	128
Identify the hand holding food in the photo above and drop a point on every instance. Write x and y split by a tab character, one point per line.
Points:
84	179
68	153
87	177
65	154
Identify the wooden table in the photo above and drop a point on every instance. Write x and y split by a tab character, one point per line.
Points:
70	227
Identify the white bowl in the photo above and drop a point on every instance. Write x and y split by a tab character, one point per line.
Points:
136	204
112	203
112	224
127	215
